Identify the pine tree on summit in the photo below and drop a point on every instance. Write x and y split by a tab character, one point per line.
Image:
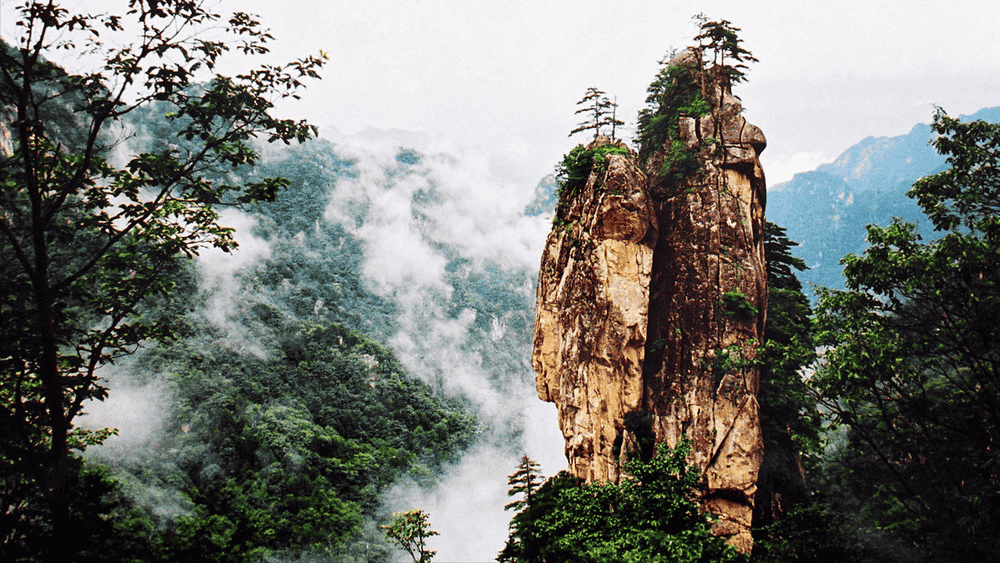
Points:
721	40
602	112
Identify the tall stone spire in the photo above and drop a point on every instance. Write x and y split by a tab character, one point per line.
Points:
651	305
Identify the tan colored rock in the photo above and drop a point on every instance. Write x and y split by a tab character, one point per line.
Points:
590	319
6	139
707	310
651	297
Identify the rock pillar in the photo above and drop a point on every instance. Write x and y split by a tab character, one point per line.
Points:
651	300
707	309
591	313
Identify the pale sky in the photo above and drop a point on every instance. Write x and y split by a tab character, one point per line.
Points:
506	75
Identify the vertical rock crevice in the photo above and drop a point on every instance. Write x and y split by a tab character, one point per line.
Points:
706	313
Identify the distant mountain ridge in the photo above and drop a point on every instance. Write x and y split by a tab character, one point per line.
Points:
826	210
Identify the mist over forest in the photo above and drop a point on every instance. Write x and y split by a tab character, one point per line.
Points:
379	239
383	241
232	337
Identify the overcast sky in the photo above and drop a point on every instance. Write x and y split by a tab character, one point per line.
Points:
506	74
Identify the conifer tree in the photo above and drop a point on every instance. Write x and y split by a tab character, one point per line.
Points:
525	481
790	420
720	38
602	113
680	89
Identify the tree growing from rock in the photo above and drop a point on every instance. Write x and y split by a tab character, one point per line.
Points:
721	39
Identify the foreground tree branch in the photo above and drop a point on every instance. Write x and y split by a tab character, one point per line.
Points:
83	243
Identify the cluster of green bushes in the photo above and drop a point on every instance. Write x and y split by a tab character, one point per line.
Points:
650	517
578	165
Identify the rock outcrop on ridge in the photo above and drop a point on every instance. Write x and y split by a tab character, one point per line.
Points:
651	304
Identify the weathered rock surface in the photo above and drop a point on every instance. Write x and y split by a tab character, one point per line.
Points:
591	314
6	139
653	299
707	306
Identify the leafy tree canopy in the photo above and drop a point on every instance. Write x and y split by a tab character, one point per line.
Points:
83	243
911	369
410	531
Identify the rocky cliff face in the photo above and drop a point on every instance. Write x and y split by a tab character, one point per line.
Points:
707	308
651	302
591	315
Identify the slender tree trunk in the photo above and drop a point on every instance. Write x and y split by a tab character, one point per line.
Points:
56	474
54	477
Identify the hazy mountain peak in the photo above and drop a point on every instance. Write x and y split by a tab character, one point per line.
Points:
826	210
885	161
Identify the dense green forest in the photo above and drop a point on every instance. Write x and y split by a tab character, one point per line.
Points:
286	417
301	383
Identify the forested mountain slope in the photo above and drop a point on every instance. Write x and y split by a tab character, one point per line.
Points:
374	323
826	210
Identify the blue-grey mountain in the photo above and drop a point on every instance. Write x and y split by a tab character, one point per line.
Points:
826	210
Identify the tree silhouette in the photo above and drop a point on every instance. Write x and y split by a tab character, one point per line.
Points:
602	113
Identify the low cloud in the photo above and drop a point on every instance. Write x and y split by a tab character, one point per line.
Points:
225	295
782	167
418	213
